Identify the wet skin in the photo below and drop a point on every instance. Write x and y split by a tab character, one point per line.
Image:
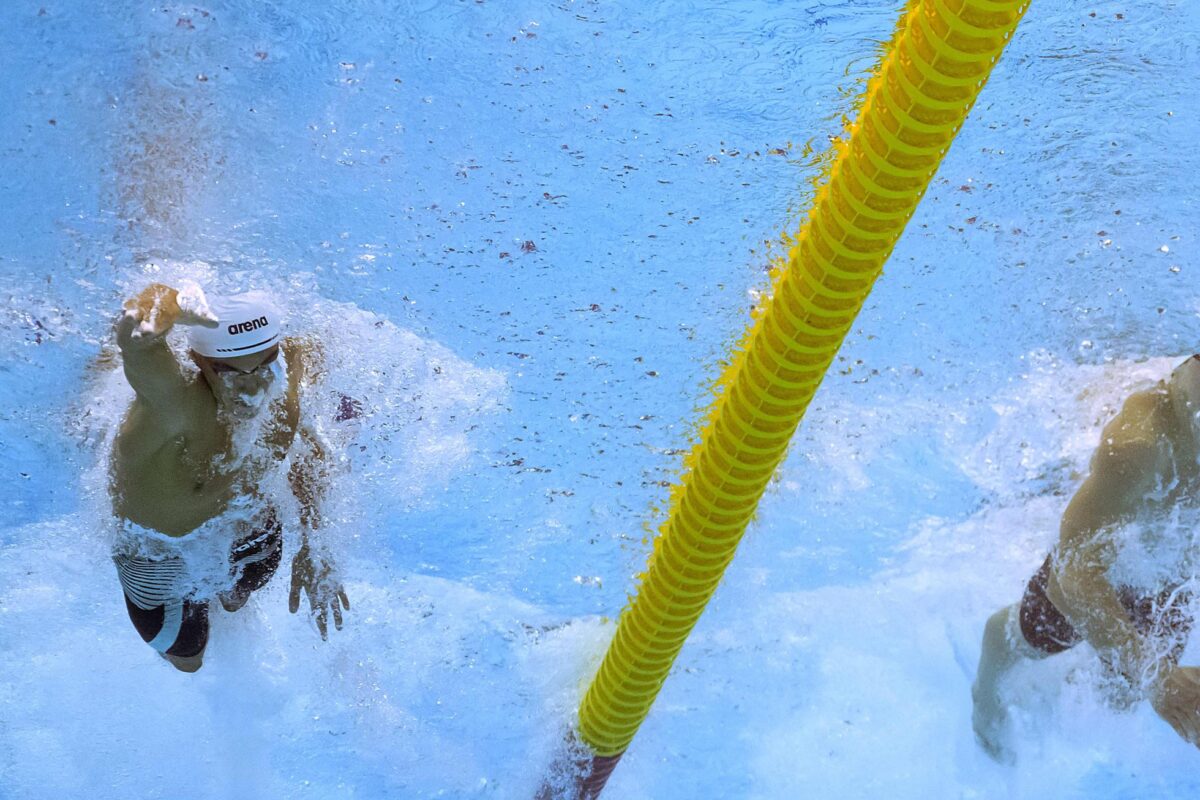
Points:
174	472
1154	442
177	462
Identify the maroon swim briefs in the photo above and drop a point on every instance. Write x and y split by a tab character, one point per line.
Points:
1163	616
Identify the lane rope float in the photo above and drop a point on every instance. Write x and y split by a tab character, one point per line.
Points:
915	102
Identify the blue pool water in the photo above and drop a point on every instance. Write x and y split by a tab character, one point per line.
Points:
529	233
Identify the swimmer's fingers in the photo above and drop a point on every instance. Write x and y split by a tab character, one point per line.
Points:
193	306
337	614
302	579
294	594
188	318
152	313
151	296
319	613
324	592
330	597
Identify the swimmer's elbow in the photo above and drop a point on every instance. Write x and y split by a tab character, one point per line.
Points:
1076	587
1069	584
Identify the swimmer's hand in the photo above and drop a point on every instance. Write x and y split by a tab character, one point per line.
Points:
314	575
158	308
1176	698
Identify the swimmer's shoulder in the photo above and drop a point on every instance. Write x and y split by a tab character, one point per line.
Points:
1141	422
150	424
305	360
1131	446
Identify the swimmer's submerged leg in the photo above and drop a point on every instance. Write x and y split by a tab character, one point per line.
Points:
1004	646
176	628
1029	630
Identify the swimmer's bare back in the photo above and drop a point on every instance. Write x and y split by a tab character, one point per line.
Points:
172	469
1144	469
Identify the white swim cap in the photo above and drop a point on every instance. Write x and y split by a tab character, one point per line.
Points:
246	323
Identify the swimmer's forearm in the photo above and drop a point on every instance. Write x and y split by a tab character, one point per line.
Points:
149	315
152	370
308	494
150	366
1080	589
307	480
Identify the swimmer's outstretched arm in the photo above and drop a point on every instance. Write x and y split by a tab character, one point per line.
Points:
150	366
313	572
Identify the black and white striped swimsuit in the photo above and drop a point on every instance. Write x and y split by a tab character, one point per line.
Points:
157	589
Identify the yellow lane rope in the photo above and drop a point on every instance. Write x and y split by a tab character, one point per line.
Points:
914	104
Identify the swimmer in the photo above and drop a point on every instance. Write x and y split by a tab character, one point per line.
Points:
193	449
1120	575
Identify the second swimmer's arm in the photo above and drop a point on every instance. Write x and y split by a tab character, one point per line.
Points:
1122	473
1082	591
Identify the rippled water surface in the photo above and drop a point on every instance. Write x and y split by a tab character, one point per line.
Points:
529	234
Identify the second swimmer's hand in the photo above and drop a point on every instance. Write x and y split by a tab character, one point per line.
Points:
1176	698
326	596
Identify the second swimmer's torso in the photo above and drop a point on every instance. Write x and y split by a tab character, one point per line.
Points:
1159	546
